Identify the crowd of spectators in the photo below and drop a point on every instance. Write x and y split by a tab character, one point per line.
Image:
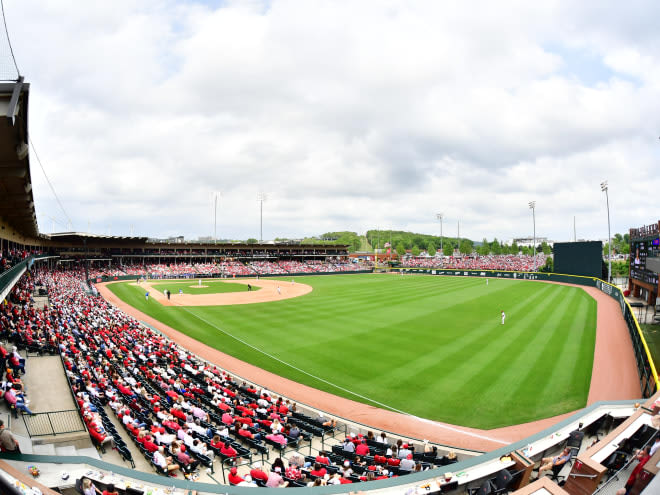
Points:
268	267
180	411
507	262
11	257
228	268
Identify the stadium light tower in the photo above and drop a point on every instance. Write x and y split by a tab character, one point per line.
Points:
261	197
603	187
439	217
216	195
532	206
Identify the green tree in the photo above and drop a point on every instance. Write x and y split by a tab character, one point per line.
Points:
415	250
400	249
448	248
545	247
514	248
548	267
484	249
430	249
620	269
495	247
466	246
252	240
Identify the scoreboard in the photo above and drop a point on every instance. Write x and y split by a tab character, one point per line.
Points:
579	258
640	250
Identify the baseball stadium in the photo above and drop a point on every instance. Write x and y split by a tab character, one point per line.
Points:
147	366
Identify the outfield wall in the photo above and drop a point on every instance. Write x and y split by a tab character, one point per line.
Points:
195	276
648	376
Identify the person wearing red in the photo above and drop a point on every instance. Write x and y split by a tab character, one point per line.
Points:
642	456
362	449
110	490
292	472
234	478
228	451
318	471
258	474
216	442
150	445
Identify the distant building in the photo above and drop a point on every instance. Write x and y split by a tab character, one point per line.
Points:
529	241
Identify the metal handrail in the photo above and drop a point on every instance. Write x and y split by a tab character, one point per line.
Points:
59	423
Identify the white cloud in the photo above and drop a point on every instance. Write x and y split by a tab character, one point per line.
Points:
350	114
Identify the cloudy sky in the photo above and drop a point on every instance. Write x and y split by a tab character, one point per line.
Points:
348	115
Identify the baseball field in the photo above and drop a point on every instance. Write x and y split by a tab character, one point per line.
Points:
429	346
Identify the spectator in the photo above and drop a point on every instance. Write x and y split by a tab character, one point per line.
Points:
642	456
110	490
547	463
234	478
275	479
164	462
89	488
8	442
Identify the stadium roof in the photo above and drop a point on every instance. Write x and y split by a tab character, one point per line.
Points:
78	236
17	205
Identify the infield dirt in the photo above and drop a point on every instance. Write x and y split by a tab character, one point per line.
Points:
269	292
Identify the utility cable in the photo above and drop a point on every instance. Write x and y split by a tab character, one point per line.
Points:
11	50
34	150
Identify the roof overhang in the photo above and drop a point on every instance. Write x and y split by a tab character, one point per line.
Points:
17	207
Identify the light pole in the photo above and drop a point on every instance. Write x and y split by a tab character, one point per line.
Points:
215	216
603	187
439	217
261	197
532	205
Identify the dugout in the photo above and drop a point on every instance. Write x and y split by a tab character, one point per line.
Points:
579	258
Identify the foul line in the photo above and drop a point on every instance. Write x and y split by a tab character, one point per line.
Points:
457	430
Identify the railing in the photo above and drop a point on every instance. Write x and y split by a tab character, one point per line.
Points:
53	423
9	277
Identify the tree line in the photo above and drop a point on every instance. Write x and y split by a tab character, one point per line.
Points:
402	241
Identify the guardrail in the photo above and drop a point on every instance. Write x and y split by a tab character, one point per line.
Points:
9	277
53	423
648	376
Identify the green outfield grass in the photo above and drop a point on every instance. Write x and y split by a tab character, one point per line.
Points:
190	286
652	337
430	346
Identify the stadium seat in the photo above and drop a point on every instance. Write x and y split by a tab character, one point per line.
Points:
615	462
486	488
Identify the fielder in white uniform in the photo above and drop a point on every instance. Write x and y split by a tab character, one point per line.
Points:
503	317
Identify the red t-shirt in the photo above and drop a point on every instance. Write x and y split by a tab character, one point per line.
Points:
258	474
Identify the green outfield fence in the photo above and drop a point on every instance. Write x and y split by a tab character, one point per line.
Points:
195	276
648	376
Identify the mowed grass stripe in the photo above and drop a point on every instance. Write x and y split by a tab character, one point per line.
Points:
534	363
403	341
497	374
568	366
446	349
498	347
